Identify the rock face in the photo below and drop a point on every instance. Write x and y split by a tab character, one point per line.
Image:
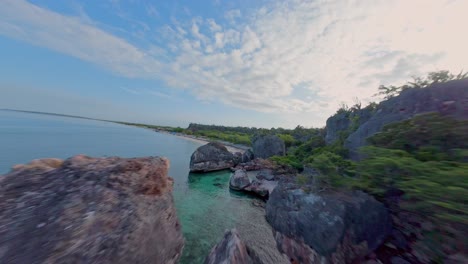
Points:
89	210
267	146
247	156
344	121
449	98
230	250
326	228
212	157
239	180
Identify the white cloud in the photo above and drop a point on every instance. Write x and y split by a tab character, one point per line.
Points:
22	20
330	51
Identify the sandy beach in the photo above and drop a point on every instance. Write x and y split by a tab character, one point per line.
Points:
233	148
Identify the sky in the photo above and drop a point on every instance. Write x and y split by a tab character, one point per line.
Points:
245	62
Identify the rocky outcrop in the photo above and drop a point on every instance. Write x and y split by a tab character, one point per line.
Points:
326	227
449	99
267	146
247	156
239	180
231	249
212	157
345	121
89	210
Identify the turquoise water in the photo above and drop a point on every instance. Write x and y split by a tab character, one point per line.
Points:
205	205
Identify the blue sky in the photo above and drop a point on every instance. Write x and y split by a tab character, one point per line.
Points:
249	63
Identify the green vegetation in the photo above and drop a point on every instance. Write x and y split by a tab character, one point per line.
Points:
418	82
426	158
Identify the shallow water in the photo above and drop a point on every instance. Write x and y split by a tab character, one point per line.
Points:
205	205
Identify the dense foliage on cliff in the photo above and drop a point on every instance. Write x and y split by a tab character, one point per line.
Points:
244	135
426	157
418	82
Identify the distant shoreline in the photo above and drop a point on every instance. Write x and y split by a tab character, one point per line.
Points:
230	146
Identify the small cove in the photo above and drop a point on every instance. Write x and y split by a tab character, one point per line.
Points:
205	205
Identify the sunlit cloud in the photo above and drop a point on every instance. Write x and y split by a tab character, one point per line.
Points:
285	57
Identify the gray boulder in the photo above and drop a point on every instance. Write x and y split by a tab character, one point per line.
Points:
262	188
239	180
247	156
265	174
89	210
446	98
267	146
212	157
231	250
326	227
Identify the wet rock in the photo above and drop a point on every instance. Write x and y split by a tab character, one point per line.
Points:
212	157
239	180
330	227
89	210
267	146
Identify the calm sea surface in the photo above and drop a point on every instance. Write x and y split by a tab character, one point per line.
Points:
204	203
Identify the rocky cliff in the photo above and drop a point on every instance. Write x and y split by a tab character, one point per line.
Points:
450	98
89	210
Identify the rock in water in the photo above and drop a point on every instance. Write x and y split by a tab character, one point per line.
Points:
267	146
239	180
89	210
211	157
326	228
230	250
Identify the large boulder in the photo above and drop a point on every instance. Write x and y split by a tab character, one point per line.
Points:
239	180
247	156
445	98
89	210
212	157
267	146
231	250
326	227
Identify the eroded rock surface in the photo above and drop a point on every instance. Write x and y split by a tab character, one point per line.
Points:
239	180
89	210
212	157
450	99
330	227
231	250
268	146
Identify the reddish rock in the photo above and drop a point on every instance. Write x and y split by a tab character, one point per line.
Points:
89	210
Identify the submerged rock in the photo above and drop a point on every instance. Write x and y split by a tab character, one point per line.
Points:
231	250
268	146
89	210
212	157
330	227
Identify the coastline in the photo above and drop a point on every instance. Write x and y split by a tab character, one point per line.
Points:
233	148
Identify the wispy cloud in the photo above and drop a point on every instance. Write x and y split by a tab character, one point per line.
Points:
332	50
69	35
